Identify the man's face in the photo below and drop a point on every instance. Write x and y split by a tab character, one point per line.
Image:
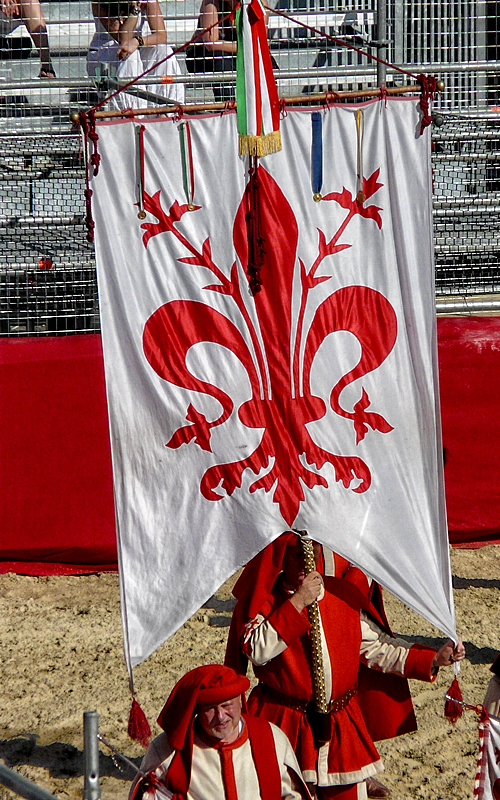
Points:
221	721
293	563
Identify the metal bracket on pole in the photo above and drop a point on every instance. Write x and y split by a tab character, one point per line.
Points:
91	790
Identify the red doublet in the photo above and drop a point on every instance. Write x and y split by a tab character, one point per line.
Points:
351	755
268	630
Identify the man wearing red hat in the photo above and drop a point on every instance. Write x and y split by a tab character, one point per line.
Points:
271	628
211	749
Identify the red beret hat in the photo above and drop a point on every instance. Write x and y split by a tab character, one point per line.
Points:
213	683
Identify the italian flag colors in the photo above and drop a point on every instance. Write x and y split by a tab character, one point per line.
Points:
256	93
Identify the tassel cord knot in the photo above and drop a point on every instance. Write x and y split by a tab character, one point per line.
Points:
428	84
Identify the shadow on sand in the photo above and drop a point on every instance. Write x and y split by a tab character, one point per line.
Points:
61	760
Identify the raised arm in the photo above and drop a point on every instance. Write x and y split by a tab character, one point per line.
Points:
130	41
209	14
156	24
123	27
128	24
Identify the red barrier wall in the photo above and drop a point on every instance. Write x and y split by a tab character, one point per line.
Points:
57	510
469	369
55	462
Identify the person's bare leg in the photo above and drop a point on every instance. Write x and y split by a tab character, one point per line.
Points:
34	20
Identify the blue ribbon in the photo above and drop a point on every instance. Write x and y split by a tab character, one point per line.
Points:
317	151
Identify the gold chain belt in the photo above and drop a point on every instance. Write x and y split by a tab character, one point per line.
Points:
303	705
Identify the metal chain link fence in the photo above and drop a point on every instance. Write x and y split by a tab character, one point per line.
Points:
466	167
47	270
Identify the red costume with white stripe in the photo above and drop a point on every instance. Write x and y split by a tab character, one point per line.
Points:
253	760
208	781
271	633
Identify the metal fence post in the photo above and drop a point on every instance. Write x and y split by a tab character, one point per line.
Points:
382	38
91	790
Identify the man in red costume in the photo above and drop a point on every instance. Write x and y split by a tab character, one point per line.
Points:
210	750
271	628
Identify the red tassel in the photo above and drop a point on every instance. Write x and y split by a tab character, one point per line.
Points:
138	726
256	251
453	710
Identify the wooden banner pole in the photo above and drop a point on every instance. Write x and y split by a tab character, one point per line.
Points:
304	100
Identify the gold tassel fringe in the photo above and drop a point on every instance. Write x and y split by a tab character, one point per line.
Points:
260	145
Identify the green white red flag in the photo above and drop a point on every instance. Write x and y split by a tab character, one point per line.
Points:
256	93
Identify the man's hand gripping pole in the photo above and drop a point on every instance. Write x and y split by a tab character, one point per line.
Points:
319	716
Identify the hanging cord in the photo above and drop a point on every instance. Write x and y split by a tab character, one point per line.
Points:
331	97
187	163
95	158
92	161
360	126
256	251
139	162
428	84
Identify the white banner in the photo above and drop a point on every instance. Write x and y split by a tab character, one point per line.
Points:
312	405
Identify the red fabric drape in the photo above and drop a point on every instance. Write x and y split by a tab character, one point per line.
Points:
56	492
469	370
57	513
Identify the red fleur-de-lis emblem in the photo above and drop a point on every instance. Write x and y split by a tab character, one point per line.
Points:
276	354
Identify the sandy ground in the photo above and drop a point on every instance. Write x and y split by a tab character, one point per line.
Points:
61	654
